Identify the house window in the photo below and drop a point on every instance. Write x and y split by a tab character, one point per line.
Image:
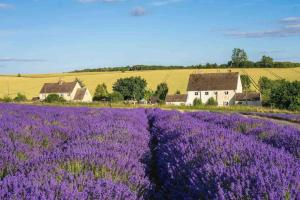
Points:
196	93
216	93
226	92
206	93
226	103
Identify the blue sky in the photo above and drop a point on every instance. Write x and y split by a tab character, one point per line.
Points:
42	36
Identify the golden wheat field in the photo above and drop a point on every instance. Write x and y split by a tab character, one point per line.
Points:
31	84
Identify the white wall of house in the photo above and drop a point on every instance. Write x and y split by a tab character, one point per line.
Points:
176	103
77	86
66	96
87	97
223	97
239	88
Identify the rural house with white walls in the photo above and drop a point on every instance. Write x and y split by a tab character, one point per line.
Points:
70	91
225	88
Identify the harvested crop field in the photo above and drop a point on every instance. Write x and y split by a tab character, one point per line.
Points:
30	85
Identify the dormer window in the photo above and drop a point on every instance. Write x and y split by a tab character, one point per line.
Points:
206	93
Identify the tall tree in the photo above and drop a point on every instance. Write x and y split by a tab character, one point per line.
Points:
266	61
101	93
246	82
162	91
132	88
239	56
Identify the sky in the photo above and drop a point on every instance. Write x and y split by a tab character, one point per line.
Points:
45	36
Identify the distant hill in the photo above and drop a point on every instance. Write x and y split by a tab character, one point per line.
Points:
247	64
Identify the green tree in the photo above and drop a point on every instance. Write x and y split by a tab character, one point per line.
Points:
51	98
80	82
101	93
211	102
266	61
246	82
132	88
148	94
286	95
116	97
238	57
20	97
162	91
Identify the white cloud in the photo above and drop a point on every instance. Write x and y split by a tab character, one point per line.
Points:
291	27
6	6
138	11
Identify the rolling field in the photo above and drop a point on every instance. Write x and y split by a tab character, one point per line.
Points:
31	84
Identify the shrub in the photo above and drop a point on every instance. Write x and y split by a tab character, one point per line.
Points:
116	97
20	97
211	102
7	99
197	102
54	98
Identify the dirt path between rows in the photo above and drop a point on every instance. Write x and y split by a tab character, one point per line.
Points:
280	121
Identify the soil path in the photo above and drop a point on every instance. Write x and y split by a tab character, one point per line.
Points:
280	121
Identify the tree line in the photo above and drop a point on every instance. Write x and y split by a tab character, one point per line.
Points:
239	59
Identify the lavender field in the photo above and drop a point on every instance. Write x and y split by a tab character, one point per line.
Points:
85	153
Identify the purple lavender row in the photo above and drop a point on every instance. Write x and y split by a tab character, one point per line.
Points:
279	136
72	153
197	160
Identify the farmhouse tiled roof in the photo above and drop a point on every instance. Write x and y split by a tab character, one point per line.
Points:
80	94
247	96
176	98
59	87
213	81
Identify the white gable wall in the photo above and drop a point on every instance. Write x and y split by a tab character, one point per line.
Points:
87	97
73	93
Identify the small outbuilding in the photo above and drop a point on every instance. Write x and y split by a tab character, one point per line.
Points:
248	98
176	99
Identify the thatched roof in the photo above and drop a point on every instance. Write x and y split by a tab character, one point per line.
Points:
80	94
59	87
213	81
176	98
247	96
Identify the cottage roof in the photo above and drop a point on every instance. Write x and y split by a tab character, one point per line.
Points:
80	94
213	81
59	87
247	96
176	98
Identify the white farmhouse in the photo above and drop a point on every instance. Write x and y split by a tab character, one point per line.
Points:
223	87
70	91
